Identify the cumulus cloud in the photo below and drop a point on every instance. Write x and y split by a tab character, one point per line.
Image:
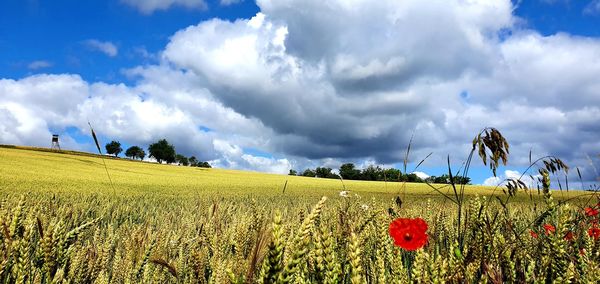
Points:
348	81
529	180
30	107
39	64
232	156
150	6
323	85
106	47
178	111
421	175
245	64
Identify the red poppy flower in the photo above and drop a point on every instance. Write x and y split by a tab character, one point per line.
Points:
569	236
591	212
409	234
594	232
533	234
549	228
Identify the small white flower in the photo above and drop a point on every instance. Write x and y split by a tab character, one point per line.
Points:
364	207
344	193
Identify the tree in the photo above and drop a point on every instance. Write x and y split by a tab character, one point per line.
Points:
141	154
193	161
348	171
445	179
412	178
204	165
114	148
392	174
135	152
464	180
372	173
182	160
308	173
441	179
162	151
292	173
324	172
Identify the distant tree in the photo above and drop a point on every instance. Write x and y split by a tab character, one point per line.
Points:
412	178
131	152
392	174
135	152
348	171
372	173
324	172
445	179
141	154
114	148
308	173
204	165
182	160
459	179
293	173
193	161
442	179
465	180
162	151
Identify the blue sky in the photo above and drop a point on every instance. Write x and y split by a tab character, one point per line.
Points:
255	117
56	31
553	16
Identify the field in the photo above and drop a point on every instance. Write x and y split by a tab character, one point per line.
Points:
68	173
62	220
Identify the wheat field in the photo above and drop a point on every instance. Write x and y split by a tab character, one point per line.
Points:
63	221
28	169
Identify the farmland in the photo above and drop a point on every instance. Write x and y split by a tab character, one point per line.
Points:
27	170
63	220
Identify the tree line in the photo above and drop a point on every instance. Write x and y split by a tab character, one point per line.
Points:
349	171
162	150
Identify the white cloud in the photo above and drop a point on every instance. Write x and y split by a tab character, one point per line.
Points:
39	64
279	166
492	181
106	47
263	67
232	156
515	175
34	105
421	175
164	104
150	6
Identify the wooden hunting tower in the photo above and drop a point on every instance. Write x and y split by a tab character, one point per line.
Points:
55	145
